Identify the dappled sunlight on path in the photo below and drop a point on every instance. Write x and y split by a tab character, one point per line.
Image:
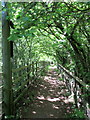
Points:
51	100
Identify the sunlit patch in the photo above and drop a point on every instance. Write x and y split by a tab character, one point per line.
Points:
51	115
41	102
41	97
59	93
56	107
42	85
53	100
68	107
51	90
62	98
54	67
48	74
68	111
34	112
45	87
70	99
49	77
46	77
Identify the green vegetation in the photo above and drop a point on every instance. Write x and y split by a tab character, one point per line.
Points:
57	32
78	113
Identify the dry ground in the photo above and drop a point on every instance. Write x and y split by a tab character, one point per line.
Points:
51	100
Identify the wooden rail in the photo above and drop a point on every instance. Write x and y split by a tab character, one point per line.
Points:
21	68
23	92
18	79
24	87
79	94
75	78
21	78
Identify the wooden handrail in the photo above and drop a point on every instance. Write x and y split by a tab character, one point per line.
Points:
23	84
18	79
75	78
20	87
21	68
19	97
24	90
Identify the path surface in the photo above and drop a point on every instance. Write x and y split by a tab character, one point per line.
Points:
51	100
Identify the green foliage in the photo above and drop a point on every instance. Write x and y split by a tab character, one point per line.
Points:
58	31
78	114
9	117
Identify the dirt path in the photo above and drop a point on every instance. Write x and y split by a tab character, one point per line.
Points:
51	100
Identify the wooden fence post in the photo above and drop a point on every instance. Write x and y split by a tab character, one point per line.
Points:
28	76
0	70
36	67
7	72
33	68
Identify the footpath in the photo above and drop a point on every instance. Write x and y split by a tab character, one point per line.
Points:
51	99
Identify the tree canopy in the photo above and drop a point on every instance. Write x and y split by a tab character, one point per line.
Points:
58	30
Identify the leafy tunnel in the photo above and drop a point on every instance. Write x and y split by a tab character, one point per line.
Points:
36	35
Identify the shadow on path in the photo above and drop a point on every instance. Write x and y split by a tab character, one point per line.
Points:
51	100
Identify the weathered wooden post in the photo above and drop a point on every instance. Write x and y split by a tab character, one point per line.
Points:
7	73
36	67
33	68
0	70
28	75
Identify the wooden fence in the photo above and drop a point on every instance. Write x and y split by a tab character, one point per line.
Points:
79	90
23	78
